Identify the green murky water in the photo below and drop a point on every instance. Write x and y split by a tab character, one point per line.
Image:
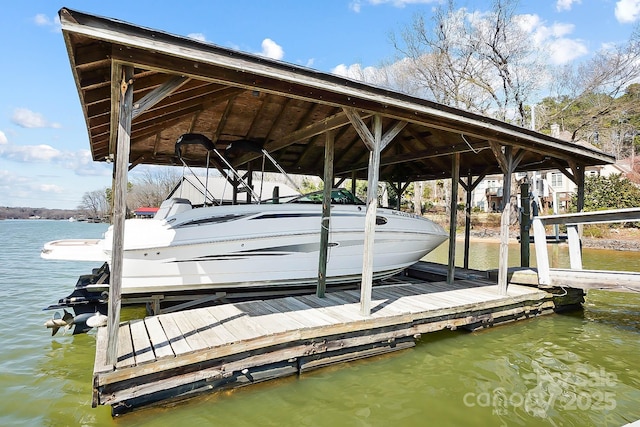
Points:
562	370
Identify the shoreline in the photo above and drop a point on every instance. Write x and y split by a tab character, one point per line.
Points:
624	243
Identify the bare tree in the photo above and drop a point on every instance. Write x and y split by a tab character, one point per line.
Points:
95	203
480	62
595	88
152	186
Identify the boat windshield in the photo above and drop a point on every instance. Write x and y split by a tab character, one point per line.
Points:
339	196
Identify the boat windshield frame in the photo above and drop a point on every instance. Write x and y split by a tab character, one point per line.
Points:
339	196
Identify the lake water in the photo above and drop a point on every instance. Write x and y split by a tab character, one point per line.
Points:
581	369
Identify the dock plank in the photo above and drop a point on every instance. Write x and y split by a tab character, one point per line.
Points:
267	314
341	312
174	335
142	349
125	347
190	331
235	321
100	361
158	339
295	304
218	334
298	317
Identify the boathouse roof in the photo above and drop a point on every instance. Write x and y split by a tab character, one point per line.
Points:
182	85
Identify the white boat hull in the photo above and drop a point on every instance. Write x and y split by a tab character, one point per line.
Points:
257	246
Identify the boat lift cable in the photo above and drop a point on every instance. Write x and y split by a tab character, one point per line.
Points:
206	180
262	177
266	153
469	145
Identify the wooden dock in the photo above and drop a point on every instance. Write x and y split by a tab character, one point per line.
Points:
178	355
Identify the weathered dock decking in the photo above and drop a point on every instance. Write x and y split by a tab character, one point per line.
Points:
180	354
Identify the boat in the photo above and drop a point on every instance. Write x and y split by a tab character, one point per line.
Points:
273	244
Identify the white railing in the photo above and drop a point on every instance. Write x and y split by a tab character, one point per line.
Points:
572	221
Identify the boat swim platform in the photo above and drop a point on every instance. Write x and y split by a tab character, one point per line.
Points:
177	355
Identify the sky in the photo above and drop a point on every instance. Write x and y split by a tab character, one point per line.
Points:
44	145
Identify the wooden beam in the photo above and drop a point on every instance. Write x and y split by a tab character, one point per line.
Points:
453	218
360	127
158	94
326	213
608	216
429	153
370	219
500	156
119	211
324	125
392	133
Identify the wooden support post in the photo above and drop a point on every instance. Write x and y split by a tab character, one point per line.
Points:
453	218
119	212
542	256
503	259
370	220
249	181
353	183
575	250
467	218
326	213
234	197
469	186
506	178
525	224
579	174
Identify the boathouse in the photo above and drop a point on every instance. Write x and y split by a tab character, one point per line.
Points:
141	89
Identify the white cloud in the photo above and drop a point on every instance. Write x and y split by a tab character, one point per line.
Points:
566	4
554	38
401	3
271	49
29	153
43	20
627	11
528	22
566	50
3	138
26	118
356	5
197	36
50	188
371	75
80	162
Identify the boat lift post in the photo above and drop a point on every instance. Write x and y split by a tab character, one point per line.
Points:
375	142
326	213
121	166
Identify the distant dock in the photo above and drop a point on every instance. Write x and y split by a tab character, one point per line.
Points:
179	355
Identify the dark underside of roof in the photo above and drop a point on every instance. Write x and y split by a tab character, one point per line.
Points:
228	95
